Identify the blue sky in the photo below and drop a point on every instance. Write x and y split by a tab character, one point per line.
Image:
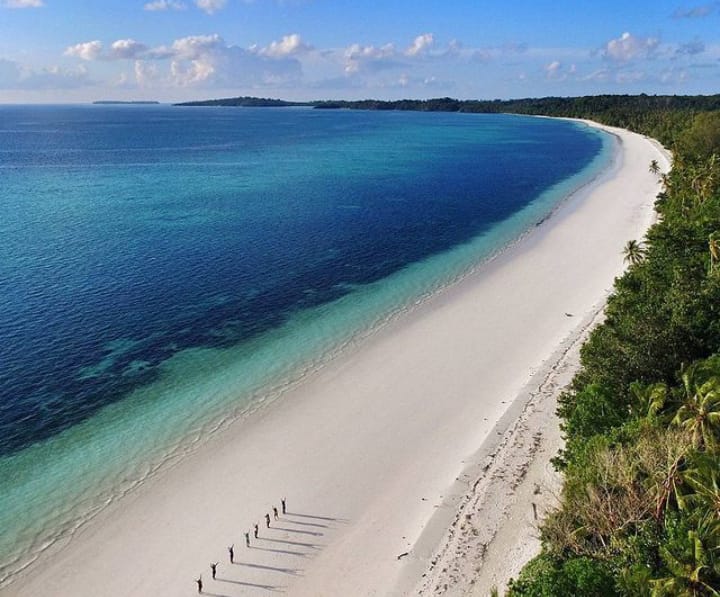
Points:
170	50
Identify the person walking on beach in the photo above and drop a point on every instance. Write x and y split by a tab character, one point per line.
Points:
267	520
213	568
231	551
247	539
275	513
282	503
199	583
255	531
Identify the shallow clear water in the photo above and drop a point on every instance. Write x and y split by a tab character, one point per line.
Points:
164	270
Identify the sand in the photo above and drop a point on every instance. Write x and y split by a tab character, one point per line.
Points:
380	450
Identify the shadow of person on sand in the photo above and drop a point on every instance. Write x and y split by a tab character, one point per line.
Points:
285	551
288	542
306	524
251	584
291	571
328	518
298	531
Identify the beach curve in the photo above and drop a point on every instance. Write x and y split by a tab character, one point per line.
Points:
367	450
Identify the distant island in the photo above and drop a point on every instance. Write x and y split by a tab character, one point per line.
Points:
622	110
111	102
247	102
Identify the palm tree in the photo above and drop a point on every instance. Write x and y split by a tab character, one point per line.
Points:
691	565
650	399
669	477
700	414
703	478
665	179
654	167
634	253
702	180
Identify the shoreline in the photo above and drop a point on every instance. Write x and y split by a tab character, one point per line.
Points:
472	256
284	452
460	554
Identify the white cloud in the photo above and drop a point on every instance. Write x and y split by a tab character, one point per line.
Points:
375	58
454	48
201	60
359	58
552	70
358	51
289	45
122	49
602	75
556	71
146	73
210	6
191	73
208	61
89	50
126	49
15	76
161	5
421	44
195	46
22	3
673	76
630	76
628	47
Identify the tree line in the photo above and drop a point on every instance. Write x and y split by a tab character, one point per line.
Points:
639	512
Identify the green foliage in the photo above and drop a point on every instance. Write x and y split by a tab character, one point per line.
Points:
546	576
586	413
642	417
634	253
690	556
699	415
703	137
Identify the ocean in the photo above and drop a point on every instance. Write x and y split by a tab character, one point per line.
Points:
167	270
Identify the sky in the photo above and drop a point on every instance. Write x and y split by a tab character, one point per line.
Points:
66	51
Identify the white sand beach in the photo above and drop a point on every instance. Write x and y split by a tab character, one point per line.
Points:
379	451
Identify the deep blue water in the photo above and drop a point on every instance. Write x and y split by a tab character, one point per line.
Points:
132	233
164	269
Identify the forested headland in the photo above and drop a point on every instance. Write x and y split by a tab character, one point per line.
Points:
640	508
661	116
245	102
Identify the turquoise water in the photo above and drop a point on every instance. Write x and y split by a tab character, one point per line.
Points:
168	270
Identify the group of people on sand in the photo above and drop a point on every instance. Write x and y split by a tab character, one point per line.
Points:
231	549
